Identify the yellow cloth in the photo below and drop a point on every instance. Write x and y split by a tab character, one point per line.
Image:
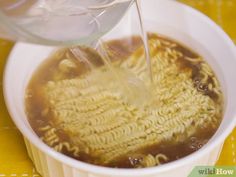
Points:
14	160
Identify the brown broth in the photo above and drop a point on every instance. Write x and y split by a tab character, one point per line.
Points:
175	151
119	49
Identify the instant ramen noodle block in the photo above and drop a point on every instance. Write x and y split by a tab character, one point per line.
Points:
101	126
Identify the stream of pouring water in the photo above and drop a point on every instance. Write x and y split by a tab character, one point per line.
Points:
145	39
136	92
131	87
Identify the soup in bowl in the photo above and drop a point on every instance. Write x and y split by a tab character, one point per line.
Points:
86	116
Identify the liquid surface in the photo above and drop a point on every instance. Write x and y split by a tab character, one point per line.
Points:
175	124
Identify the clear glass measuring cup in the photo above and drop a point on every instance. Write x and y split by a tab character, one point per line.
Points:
59	22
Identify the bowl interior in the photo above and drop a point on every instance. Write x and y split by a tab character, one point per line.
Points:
165	17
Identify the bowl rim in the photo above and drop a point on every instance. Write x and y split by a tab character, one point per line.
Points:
34	139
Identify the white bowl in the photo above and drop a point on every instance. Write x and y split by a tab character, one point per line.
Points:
166	17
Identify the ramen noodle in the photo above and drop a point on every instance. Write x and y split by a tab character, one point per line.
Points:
82	113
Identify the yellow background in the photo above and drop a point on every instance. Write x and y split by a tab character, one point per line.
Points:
14	160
